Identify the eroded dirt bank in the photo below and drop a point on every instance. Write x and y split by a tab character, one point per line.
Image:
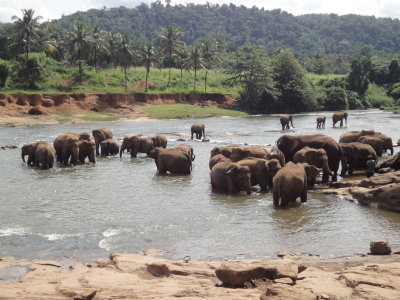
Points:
40	108
134	276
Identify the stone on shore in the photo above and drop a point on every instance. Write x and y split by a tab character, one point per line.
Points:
380	247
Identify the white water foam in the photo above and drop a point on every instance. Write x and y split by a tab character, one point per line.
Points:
111	231
18	230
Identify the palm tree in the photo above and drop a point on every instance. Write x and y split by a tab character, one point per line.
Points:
149	58
124	57
79	38
194	61
97	42
113	39
28	28
210	55
169	41
181	57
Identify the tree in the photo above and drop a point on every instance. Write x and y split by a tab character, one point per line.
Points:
124	57
170	41
79	39
149	58
27	28
180	58
4	72
336	99
251	71
194	61
97	42
359	74
394	71
210	54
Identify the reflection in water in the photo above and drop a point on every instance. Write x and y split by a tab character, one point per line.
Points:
122	204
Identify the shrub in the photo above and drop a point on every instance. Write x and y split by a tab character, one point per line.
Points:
35	70
336	99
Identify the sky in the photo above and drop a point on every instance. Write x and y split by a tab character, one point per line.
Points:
54	9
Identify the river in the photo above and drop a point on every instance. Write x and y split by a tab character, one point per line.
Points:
122	205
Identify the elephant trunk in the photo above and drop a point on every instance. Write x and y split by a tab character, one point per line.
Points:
325	167
23	156
193	156
391	150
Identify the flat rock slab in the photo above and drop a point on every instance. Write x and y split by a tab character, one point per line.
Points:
12	273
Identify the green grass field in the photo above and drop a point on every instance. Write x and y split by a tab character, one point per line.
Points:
90	116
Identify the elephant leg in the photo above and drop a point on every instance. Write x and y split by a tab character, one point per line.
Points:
303	196
275	196
192	135
325	177
341	123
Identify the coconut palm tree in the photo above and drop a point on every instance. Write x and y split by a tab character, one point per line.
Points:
78	39
210	55
27	28
169	41
148	57
124	56
97	42
194	61
180	59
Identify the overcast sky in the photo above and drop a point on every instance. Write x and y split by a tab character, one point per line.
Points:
53	9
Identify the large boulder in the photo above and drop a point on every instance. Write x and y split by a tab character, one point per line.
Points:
380	247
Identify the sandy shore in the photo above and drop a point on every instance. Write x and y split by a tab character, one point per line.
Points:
135	276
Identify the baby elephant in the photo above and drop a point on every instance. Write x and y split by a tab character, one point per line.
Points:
109	147
40	154
262	171
290	182
231	178
171	160
321	121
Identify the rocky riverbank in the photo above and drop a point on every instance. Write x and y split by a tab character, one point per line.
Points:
135	276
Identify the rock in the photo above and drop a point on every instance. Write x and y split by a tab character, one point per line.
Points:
36	111
380	247
205	140
9	146
287	292
47	102
159	270
7	258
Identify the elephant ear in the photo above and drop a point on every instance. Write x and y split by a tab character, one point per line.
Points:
311	171
287	143
232	169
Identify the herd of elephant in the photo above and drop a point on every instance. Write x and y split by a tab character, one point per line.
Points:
287	169
287	120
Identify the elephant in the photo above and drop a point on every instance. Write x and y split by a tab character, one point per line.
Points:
188	149
239	153
285	119
290	182
290	144
159	141
315	157
171	160
262	171
392	162
109	147
225	151
321	121
67	146
355	156
198	129
142	144
339	116
40	154
374	141
230	178
216	159
101	134
387	142
277	154
87	149
353	136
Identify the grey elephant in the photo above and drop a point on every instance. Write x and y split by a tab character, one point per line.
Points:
188	149
290	182
87	150
315	157
159	140
230	178
40	154
277	154
239	153
262	171
353	136
109	147
67	148
224	150
286	120
141	144
198	129
339	116
355	156
171	160
374	141
216	159
101	134
321	121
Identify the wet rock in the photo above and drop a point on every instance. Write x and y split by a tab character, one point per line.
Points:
47	102
36	111
284	291
7	258
12	273
380	247
159	270
205	140
9	146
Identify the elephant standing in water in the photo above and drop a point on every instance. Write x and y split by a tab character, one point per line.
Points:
199	130
230	178
355	156
159	140
285	119
339	116
109	147
188	149
321	121
216	159
353	136
290	144
239	153
225	150
67	146
290	182
374	141
101	134
171	160
87	149
40	154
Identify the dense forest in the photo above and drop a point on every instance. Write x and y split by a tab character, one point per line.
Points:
271	60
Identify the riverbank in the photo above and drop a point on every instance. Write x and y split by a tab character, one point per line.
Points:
136	276
31	109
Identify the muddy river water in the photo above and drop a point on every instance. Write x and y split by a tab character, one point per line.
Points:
122	205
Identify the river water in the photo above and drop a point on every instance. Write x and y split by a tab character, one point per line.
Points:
122	205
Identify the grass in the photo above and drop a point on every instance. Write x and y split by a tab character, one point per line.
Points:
376	95
87	116
315	78
183	111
